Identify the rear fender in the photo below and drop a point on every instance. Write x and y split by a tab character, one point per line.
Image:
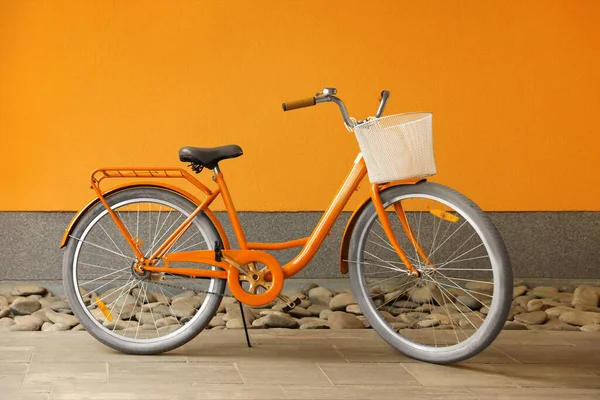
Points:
345	248
187	195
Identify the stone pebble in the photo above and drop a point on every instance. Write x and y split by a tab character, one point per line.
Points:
31	307
50	327
26	323
59	318
24	306
276	321
586	298
316	325
353	309
341	301
26	290
580	318
342	320
591	328
300	312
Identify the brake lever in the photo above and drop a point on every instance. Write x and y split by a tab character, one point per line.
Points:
385	95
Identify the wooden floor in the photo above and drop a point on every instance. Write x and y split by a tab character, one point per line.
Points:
287	364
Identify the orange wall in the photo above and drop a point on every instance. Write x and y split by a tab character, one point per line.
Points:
514	87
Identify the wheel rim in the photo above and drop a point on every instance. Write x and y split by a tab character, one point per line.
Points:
449	299
101	248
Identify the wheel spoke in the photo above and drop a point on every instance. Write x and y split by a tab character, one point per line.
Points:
459	310
389	247
380	259
445	293
103	248
464	259
161	227
415	282
169	228
385	280
112	241
98	266
145	288
445	307
106	284
185	241
155	230
387	267
129	288
104	276
383	240
466	291
137	301
448	238
190	246
169	304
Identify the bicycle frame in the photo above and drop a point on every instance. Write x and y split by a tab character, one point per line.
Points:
248	251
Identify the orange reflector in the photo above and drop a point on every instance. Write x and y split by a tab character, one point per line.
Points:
444	215
103	308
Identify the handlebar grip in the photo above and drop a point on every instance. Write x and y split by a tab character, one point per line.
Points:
292	105
384	94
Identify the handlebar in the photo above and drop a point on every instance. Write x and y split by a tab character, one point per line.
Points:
295	104
326	96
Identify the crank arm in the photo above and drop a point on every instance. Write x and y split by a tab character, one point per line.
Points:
235	264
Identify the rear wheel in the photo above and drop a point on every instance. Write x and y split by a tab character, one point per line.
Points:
133	313
458	305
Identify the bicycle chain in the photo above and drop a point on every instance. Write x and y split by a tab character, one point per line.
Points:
160	283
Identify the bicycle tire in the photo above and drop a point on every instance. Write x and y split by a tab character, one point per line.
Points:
403	339
124	344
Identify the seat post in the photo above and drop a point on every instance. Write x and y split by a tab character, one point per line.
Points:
231	212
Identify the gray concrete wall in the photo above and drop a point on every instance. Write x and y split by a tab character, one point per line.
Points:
541	244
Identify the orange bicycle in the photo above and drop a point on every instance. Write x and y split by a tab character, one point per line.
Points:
147	263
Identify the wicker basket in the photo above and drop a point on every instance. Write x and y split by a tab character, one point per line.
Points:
397	147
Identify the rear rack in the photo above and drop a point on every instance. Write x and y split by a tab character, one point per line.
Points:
159	173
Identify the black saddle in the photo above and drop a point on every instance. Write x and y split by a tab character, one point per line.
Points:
210	156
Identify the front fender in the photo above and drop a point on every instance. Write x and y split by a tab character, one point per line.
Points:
345	247
172	188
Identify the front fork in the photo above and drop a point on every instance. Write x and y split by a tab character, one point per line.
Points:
387	228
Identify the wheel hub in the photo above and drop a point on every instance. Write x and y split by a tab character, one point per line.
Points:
139	272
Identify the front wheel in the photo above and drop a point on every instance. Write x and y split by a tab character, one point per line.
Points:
458	305
129	312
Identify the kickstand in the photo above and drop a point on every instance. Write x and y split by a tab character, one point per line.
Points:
245	327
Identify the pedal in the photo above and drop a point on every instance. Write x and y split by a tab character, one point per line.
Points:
291	305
